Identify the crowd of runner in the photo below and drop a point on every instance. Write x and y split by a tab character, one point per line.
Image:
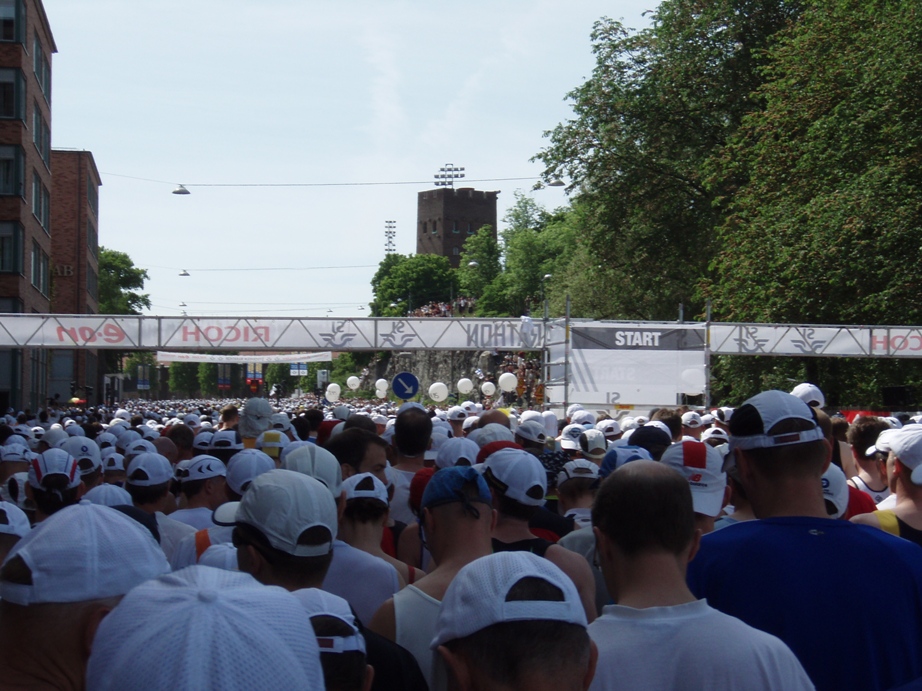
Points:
233	545
458	307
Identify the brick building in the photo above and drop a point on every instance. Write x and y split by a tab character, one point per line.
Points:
446	217
75	263
26	47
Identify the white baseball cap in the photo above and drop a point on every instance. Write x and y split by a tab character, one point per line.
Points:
576	469
751	422
13	520
55	437
593	443
15	453
907	447
478	596
365	486
317	603
148	469
456	412
319	463
494	432
108	495
237	633
53	462
835	490
226	439
610	428
583	417
202	440
282	504
702	466
470	421
204	468
245	466
517	474
810	394
532	430
84	552
85	452
691	419
139	446
113	462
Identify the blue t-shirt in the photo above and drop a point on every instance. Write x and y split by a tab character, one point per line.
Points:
846	598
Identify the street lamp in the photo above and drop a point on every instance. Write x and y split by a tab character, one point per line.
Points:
180	189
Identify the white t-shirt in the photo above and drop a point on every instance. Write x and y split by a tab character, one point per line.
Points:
171	533
198	518
363	580
690	646
400	505
582	517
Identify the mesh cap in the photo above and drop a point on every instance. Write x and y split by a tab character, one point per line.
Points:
906	445
576	469
751	422
84	552
148	469
532	430
456	449
810	394
593	443
478	596
139	446
235	634
55	437
319	463
835	491
494	432
15	453
108	495
114	462
282	504
13	520
319	603
365	486
202	441
53	462
246	466
518	475
702	466
85	452
203	468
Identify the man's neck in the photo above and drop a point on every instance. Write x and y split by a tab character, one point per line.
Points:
790	499
363	536
402	462
648	580
510	529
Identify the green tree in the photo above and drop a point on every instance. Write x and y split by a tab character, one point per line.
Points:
184	378
825	221
119	281
207	376
403	283
480	262
279	373
659	103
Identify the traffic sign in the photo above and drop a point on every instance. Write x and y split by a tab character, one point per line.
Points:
405	385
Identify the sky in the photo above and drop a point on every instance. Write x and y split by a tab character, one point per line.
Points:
271	112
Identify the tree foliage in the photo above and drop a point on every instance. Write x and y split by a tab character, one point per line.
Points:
207	376
407	282
480	262
119	281
184	378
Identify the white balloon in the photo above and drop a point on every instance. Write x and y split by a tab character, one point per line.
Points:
438	392
353	382
334	388
381	393
332	395
508	381
465	385
381	385
488	388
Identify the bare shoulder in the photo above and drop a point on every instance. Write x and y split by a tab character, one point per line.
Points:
384	622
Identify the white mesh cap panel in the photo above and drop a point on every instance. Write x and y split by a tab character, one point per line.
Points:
476	597
203	628
84	552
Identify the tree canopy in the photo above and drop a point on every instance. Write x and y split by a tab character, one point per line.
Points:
403	283
119	281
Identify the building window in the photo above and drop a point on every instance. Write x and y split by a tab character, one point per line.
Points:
455	251
42	69
12	20
12	91
10	305
92	196
11	170
425	227
40	269
10	248
435	228
470	229
454	226
92	240
41	201
92	282
41	135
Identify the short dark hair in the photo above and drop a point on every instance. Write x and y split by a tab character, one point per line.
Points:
671	418
510	653
181	435
360	422
314	417
343	671
863	433
286	564
54	494
576	487
149	494
412	431
800	461
645	507
350	446
192	487
229	412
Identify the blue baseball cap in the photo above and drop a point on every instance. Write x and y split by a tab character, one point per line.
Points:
617	456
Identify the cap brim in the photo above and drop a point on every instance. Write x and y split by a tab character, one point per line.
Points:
226	514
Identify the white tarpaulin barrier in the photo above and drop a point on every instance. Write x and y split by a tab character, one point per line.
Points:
167	358
209	333
636	363
822	341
